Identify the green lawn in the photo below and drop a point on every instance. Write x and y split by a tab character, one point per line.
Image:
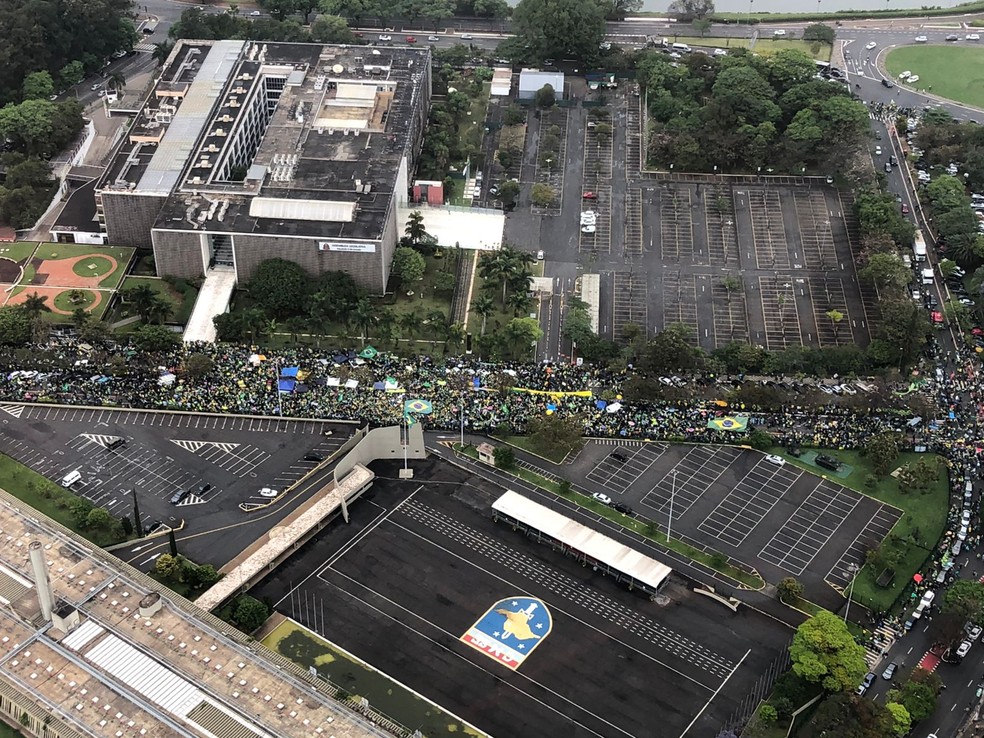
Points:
63	300
179	293
43	495
953	72
473	129
763	46
73	250
919	528
7	732
19	250
357	679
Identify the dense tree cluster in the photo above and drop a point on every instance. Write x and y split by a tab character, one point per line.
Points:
945	141
280	26
955	221
429	10
743	112
903	326
559	29
66	39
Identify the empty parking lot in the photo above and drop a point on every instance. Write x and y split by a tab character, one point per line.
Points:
781	520
611	661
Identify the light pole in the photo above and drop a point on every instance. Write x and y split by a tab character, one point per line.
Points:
669	521
852	569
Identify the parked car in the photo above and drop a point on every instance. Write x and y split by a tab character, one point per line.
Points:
312	456
913	79
602	498
97	86
777	460
869	679
890	671
411	39
952	37
385	37
590	196
963	649
268	492
828	462
433	38
974	632
588	229
539	255
619	456
623	508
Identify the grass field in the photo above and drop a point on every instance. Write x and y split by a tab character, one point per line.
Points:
72	250
763	46
180	295
953	72
359	680
63	300
18	251
7	732
919	528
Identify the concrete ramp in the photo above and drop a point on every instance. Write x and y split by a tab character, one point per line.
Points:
213	299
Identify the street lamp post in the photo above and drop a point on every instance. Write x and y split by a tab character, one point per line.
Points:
669	522
852	568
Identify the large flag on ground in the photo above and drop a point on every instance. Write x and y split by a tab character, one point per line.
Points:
368	353
729	423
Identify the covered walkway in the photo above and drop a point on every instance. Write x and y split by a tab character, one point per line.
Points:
213	299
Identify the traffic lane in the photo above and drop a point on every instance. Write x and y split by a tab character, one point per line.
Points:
220	543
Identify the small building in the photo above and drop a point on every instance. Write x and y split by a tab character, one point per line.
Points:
532	81
428	191
77	222
486	453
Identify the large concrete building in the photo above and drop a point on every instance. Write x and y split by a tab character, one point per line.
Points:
91	647
247	151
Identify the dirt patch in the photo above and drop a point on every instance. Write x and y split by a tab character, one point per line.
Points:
10	270
61	272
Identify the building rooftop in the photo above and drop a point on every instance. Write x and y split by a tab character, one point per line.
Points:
321	128
137	660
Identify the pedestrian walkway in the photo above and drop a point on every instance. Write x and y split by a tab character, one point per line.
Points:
883	639
929	662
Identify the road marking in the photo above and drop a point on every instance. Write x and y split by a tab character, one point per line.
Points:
196	446
15	410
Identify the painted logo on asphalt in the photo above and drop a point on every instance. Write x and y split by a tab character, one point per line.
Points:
510	630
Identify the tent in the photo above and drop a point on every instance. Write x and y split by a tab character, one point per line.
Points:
614	407
333	381
339	358
166	380
286	385
290	371
351	383
391	384
379	385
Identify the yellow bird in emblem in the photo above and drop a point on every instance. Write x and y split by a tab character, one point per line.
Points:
517	624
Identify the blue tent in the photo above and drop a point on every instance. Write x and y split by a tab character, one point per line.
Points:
286	385
290	371
601	404
379	385
476	382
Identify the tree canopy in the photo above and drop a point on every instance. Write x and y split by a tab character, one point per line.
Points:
280	287
559	29
824	651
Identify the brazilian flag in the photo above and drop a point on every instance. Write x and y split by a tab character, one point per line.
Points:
736	423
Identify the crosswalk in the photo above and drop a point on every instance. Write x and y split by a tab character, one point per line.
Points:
15	410
885	635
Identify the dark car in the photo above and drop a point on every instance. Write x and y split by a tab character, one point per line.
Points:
116	443
154	527
887	83
618	456
828	462
312	456
623	508
180	496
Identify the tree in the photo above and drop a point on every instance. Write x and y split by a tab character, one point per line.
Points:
167	566
15	326
882	449
689	10
410	324
34	305
505	458
484	306
250	613
824	651
509	191
918	698
553	436
99	519
38	86
202	576
354	10
767	713
819	32
702	26
197	366
415	229
408	265
947	193
558	29
162	51
142	298
364	316
155	338
280	287
40	127
965	599
670	350
901	720
520	335
789	589
543	196
545	97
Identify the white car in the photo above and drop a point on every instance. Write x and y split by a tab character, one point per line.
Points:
97	86
848	389
974	632
777	460
433	38
913	79
466	37
878	151
962	533
927	599
720	52
903	76
255	13
973	37
539	255
870	45
385	37
268	492
602	498
825	389
921	39
963	649
778	32
587	229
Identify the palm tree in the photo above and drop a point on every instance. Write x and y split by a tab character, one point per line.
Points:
142	297
415	227
364	316
499	267
454	335
484	306
160	310
253	322
410	324
162	51
34	305
117	80
519	301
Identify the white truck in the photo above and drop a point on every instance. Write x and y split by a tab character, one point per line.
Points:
919	247
927	275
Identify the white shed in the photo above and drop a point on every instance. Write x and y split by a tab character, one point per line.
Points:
532	81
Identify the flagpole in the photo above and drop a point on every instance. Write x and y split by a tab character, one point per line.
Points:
276	388
462	420
406	421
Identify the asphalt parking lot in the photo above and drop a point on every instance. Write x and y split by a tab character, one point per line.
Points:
165	453
611	662
781	520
